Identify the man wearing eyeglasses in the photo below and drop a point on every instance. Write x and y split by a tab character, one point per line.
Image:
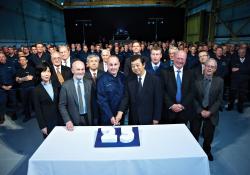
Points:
208	96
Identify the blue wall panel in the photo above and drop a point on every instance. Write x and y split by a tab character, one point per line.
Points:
30	21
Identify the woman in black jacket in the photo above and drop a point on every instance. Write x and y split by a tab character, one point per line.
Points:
46	101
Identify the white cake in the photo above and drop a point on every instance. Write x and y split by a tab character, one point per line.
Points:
127	134
108	130
109	135
127	138
109	138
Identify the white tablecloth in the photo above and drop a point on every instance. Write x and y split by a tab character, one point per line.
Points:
164	149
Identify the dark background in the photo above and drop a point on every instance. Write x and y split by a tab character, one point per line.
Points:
105	22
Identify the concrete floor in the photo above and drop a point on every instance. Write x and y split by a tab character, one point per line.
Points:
18	141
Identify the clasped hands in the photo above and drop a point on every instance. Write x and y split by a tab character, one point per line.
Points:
177	108
116	120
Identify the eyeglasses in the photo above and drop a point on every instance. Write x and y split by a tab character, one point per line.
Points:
210	66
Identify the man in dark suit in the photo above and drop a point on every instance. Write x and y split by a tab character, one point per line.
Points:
60	73
155	65
67	58
199	69
170	62
178	90
93	74
239	79
208	96
143	95
41	56
136	48
103	66
75	98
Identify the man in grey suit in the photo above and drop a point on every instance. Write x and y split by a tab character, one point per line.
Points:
75	98
208	97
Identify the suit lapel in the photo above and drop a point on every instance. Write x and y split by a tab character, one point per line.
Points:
72	87
173	80
46	93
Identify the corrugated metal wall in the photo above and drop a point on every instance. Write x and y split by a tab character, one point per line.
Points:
30	21
229	20
233	21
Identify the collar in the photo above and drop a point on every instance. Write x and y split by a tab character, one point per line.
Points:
45	84
176	69
92	72
158	64
143	76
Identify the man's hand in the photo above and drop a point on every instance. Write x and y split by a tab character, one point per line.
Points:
177	107
205	113
118	117
45	131
234	69
70	126
112	120
6	87
29	77
155	122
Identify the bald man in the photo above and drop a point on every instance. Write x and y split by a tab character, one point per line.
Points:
110	90
75	98
178	95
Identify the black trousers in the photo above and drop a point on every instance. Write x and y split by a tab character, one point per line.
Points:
8	98
208	131
240	88
26	99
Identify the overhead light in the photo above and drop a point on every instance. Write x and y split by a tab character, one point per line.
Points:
62	3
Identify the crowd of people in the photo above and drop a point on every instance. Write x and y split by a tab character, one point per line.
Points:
150	82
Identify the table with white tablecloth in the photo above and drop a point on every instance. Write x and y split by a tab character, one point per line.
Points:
164	149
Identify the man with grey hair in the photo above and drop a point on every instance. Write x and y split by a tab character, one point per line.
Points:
75	98
178	91
60	73
93	74
208	97
67	58
105	56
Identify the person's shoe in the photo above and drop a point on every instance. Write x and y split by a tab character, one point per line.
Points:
210	157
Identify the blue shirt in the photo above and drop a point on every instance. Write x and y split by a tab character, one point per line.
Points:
49	89
7	73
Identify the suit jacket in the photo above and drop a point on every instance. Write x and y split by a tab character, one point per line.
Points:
46	109
101	66
94	105
170	89
68	101
66	74
144	107
215	98
197	71
157	72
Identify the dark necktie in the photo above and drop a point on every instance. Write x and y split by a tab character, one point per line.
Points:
178	82
81	109
206	87
94	77
139	85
